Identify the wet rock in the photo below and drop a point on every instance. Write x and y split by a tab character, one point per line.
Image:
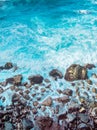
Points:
26	96
94	75
90	66
34	111
44	122
94	112
47	102
8	65
76	72
63	99
94	90
35	103
43	90
27	124
1	90
12	87
37	79
89	81
82	110
83	126
67	92
70	117
59	91
57	109
43	108
83	117
56	74
16	80
47	80
15	98
27	91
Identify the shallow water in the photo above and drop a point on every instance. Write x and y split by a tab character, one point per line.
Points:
41	35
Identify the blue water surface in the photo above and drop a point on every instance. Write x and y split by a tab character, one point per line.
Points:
39	35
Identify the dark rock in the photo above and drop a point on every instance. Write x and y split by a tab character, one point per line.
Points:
27	124
90	66
1	67
15	98
8	65
76	72
16	80
67	92
37	79
44	122
56	74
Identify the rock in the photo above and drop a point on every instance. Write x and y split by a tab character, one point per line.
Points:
63	99
83	126
94	75
1	90
27	124
15	98
16	80
36	79
94	112
90	66
43	108
71	117
89	81
67	92
44	122
47	102
43	90
94	90
59	91
47	80
56	74
76	72
8	65
83	117
35	103
34	111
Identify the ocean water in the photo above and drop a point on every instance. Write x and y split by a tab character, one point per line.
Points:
39	35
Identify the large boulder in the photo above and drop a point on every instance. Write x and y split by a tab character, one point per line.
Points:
36	79
55	73
76	72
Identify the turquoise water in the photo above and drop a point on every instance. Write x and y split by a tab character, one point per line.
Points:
41	35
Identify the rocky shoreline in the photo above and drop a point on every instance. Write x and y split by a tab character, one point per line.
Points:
47	104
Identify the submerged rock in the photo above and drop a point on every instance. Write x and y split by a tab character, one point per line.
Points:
76	72
36	79
56	74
